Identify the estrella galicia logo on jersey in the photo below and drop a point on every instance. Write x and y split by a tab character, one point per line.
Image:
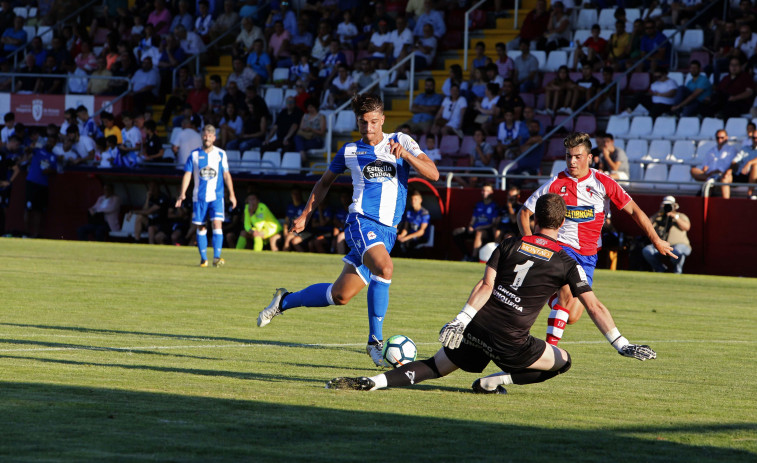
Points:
535	251
371	236
379	171
580	213
207	173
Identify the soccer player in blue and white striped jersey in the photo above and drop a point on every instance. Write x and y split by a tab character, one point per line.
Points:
380	166
210	168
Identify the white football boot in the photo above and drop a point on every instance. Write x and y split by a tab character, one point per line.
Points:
274	308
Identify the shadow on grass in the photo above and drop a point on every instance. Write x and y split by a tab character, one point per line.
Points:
135	350
64	423
81	329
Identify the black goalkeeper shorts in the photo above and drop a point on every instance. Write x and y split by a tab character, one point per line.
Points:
479	348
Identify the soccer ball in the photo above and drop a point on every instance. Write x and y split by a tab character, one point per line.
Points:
486	251
399	350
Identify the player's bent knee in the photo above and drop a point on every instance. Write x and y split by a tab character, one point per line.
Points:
567	365
340	298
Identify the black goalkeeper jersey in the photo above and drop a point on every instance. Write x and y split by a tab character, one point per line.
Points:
529	270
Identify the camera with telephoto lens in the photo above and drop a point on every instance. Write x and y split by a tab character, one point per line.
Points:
667	208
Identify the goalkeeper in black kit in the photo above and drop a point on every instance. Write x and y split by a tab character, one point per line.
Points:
494	325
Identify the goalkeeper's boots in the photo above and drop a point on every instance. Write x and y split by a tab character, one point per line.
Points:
376	352
274	308
218	262
478	389
203	263
357	384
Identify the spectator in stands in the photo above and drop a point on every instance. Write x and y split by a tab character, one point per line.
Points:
300	70
331	62
480	227
77	78
379	45
86	124
188	139
347	31
670	225
341	88
691	97
619	47
86	59
102	217
302	40
504	64
216	94
612	159
287	123
716	161
534	25
735	92
260	62
260	226
401	40
425	49
380	14
302	95
234	96
255	124
651	39
525	68
509	97
6	14
189	41
37	48
481	153
247	36
69	119
476	85
593	52
278	45
153	146
559	93
425	106
82	146
431	150
559	30
322	41
8	128
507	223
509	133
586	87
311	131
743	168
231	126
31	83
131	145
242	75
96	86
682	11
479	58
145	84
414	228
486	111
430	16
14	37
744	46
532	163
660	97
287	17
160	18
183	17
123	67
364	74
110	127
449	117
204	21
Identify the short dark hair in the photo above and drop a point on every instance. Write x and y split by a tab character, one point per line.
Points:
575	139
695	61
72	129
550	211
106	116
151	125
215	78
9	117
81	108
366	103
111	139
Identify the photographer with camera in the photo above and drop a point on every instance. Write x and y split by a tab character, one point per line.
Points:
671	226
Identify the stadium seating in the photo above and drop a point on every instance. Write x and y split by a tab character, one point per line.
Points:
270	162
586	123
736	128
618	126
274	98
556	59
641	127
233	157
280	74
587	17
682	173
568	127
688	128
291	163
636	150
467	145
656	172
709	127
659	150
692	39
664	127
251	158
639	82
449	145
683	151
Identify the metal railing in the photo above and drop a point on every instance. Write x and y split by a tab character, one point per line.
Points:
196	58
466	32
615	83
54	27
330	117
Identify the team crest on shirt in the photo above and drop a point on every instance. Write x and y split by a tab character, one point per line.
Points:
379	171
563	191
371	236
590	191
580	213
207	173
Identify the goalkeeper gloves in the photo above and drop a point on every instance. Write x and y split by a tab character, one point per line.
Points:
626	349
451	334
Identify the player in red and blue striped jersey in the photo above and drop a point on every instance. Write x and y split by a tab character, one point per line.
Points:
379	164
587	193
210	168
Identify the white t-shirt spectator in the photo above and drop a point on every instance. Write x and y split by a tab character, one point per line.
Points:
663	87
453	111
343	86
428	42
192	44
345	32
132	137
400	40
187	141
6	133
237	124
747	47
84	146
378	40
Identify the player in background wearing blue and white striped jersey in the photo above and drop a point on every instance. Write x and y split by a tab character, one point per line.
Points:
380	166
210	168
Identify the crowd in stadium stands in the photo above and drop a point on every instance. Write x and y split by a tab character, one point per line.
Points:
295	62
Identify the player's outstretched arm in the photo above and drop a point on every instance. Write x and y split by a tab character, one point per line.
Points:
662	246
319	192
604	322
524	221
451	334
184	185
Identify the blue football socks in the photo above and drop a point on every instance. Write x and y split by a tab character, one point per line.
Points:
202	244
317	295
217	242
378	303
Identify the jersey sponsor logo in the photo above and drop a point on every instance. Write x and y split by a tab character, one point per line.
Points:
541	241
563	190
207	173
582	273
535	251
371	236
580	213
507	297
379	171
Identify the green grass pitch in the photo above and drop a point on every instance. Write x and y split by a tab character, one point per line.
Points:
117	352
